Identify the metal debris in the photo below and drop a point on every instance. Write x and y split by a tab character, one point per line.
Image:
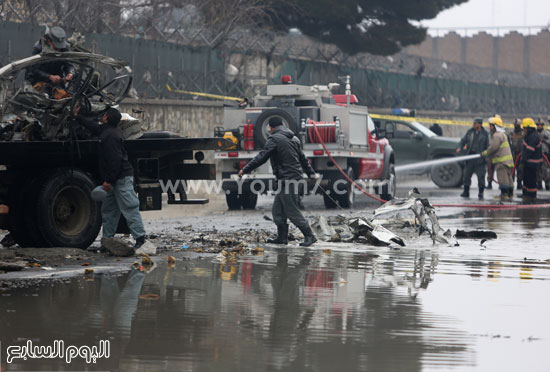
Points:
421	208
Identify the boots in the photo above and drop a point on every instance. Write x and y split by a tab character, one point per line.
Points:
480	193
466	192
539	185
489	185
309	237
282	235
547	185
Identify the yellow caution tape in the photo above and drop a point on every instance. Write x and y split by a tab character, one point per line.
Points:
208	95
430	120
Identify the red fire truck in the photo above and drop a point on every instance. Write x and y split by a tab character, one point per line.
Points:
318	117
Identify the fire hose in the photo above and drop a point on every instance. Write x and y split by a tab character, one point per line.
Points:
471	205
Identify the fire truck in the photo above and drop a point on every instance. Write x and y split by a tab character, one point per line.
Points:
334	130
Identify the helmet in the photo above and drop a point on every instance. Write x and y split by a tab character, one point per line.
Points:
495	120
528	123
57	36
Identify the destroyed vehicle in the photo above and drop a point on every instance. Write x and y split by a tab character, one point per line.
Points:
44	111
412	142
49	164
318	118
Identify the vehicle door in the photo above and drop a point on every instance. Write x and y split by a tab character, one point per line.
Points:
409	145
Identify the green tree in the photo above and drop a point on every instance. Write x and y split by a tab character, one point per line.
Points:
376	26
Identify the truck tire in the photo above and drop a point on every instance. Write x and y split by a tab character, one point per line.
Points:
347	199
329	204
388	190
232	200
66	214
447	175
248	199
260	127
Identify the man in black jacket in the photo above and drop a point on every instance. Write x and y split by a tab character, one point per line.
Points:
475	141
117	174
288	162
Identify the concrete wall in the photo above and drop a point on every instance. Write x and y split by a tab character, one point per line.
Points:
511	52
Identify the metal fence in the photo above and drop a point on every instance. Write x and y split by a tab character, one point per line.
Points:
197	59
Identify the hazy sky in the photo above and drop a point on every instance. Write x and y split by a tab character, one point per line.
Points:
488	13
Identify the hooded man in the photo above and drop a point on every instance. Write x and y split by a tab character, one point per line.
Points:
289	163
475	141
500	154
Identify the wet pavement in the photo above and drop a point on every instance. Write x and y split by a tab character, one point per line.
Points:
478	306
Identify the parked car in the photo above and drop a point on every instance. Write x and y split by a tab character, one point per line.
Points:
412	142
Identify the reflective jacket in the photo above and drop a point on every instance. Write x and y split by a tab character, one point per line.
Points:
499	150
531	154
283	148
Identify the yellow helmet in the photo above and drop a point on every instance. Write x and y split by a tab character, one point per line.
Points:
528	123
496	120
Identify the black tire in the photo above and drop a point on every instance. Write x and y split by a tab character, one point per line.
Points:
388	190
66	214
232	200
347	199
260	127
447	175
248	199
329	204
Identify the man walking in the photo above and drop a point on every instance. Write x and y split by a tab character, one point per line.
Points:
531	158
475	141
501	158
117	174
288	162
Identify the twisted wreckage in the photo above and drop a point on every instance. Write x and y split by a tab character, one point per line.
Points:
372	231
49	163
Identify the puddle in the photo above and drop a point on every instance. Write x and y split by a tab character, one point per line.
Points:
338	307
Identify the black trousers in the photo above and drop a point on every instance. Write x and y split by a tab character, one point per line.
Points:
530	179
476	166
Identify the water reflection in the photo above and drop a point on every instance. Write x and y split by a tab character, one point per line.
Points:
294	310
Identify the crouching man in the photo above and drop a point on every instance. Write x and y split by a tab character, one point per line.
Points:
117	174
283	148
501	157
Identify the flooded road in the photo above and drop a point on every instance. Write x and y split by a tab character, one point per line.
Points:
478	306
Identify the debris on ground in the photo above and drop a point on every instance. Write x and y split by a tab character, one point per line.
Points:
12	266
475	234
147	248
353	230
421	208
118	247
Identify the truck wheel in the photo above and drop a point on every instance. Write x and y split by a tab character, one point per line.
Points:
329	204
388	190
66	214
447	175
346	200
260	128
232	200
248	199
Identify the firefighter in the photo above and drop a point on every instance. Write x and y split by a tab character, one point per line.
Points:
288	162
531	158
516	141
475	141
544	170
500	154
